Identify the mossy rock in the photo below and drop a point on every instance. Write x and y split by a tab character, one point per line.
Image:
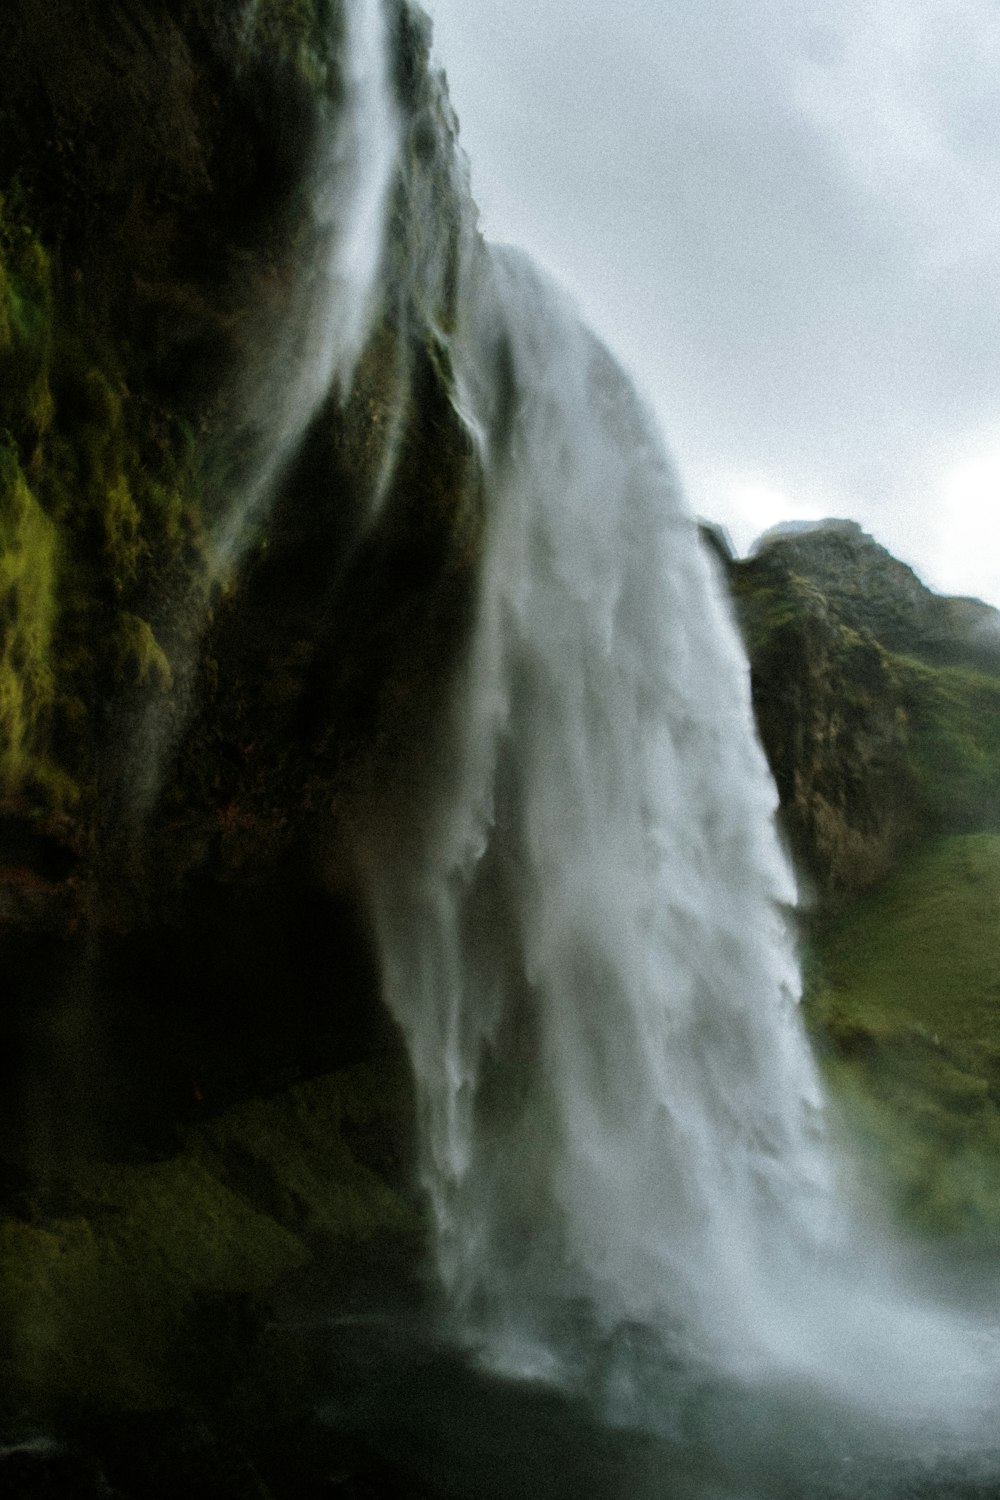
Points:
113	1276
99	528
187	758
877	702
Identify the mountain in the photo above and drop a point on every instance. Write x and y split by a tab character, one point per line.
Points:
877	701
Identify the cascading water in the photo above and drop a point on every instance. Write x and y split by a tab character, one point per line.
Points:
336	297
587	942
586	927
616	1092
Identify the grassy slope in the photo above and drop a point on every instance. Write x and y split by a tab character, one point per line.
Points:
905	1005
954	742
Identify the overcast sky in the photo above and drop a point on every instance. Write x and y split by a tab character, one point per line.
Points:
785	219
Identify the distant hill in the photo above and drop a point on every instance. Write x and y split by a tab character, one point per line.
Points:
904	1004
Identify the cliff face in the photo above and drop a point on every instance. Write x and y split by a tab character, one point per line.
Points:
194	732
876	700
200	1087
190	747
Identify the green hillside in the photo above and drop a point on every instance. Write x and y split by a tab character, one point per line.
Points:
904	1002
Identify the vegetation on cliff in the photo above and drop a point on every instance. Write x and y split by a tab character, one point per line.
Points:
96	520
189	752
878	704
906	1004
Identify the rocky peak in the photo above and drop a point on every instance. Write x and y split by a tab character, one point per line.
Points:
866	588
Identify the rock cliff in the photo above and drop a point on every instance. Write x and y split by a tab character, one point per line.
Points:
214	666
189	749
206	703
877	701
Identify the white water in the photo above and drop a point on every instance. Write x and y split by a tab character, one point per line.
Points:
337	294
600	897
586	927
324	327
587	941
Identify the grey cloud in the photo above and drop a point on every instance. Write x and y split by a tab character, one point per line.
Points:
785	225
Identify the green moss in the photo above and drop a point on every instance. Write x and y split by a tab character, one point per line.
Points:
28	608
905	1002
173	512
100	1304
100	527
122	523
98	422
295	1148
297	30
91	1304
767	611
144	660
26	318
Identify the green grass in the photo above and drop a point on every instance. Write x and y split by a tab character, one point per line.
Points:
954	737
904	1002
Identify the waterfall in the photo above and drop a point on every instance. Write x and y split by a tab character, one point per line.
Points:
336	296
603	1020
313	352
587	937
586	924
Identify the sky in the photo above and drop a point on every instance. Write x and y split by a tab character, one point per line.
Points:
785	221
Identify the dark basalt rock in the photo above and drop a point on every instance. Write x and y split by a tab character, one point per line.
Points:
43	1470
